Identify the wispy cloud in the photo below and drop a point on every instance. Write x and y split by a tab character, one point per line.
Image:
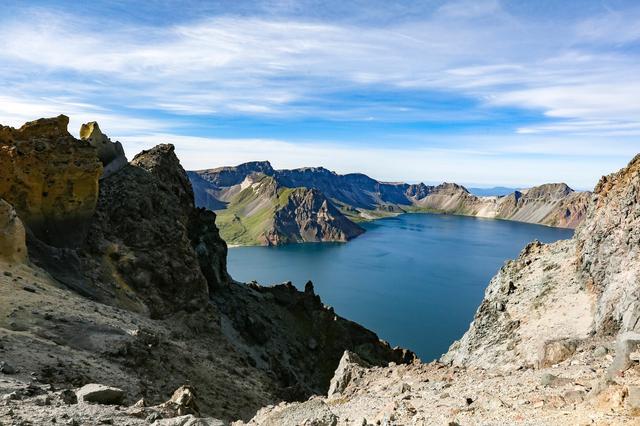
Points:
566	77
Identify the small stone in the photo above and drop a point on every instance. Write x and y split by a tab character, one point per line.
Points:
153	417
7	274
600	351
574	396
29	289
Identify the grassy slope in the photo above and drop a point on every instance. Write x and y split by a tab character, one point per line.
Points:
239	228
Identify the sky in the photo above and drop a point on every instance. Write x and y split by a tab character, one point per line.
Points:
483	93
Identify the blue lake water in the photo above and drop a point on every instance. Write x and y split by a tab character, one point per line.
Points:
416	279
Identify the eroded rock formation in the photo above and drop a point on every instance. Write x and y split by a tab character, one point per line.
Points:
13	246
51	179
111	154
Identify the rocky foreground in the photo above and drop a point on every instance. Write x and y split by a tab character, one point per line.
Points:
250	200
116	308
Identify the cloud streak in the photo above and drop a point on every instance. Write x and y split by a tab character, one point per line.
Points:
468	63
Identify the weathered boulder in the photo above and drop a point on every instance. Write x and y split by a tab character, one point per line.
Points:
556	351
50	178
100	394
12	235
111	154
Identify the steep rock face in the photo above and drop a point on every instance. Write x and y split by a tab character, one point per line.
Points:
111	154
520	313
551	204
229	176
308	216
264	213
144	233
50	178
294	335
13	246
592	279
609	250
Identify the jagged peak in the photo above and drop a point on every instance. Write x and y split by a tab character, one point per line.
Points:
91	131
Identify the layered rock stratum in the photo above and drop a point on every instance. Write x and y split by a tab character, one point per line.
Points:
358	197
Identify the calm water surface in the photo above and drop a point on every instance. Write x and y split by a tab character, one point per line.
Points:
416	279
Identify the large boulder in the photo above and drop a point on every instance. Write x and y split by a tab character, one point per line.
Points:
12	235
51	179
100	394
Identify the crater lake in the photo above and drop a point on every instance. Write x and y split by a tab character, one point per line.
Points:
414	279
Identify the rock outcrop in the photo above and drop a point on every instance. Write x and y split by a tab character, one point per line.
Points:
358	197
111	154
50	178
608	250
149	242
593	279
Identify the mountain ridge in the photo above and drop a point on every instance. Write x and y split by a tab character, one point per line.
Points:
359	198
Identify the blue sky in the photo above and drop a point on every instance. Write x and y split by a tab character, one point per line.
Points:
478	92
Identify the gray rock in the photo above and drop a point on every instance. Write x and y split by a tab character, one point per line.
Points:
626	344
100	394
548	379
67	396
6	368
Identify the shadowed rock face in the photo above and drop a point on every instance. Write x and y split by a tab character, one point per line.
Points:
150	242
309	216
51	179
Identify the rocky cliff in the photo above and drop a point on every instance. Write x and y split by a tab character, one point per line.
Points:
142	300
260	211
358	197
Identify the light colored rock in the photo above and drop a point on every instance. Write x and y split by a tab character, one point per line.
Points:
348	369
626	344
556	351
111	154
100	394
189	420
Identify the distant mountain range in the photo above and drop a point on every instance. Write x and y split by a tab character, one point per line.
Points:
259	205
